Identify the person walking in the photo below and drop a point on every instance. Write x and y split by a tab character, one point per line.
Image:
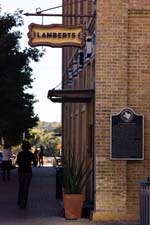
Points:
41	156
25	160
6	161
36	154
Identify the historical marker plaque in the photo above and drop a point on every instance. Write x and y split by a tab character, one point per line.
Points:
126	137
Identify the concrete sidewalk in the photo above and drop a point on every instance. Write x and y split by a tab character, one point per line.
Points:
43	208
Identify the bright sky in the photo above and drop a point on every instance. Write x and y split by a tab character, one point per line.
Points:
47	72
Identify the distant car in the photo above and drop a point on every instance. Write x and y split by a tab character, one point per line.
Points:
1	158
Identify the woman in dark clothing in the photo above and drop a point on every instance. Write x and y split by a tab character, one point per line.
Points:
25	160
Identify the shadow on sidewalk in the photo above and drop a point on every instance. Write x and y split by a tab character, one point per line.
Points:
42	200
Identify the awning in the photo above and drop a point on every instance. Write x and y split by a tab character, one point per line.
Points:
71	95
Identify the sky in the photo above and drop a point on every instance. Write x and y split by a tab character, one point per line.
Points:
47	72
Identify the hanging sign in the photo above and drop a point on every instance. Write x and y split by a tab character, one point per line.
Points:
56	35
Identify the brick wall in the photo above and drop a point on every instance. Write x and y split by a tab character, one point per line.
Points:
142	4
139	95
122	80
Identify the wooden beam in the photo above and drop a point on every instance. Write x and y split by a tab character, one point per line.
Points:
71	100
71	95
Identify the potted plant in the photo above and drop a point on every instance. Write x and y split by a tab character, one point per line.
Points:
75	174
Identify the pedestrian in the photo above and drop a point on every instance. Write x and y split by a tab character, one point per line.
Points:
25	160
36	154
6	161
41	156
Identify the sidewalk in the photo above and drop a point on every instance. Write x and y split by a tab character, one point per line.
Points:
43	208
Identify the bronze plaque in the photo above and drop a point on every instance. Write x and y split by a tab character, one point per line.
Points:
126	139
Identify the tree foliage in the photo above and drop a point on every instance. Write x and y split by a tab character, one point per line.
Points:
16	113
47	138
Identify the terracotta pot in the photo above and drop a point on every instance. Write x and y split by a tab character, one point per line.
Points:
73	204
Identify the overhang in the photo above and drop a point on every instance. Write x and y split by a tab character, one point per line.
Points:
71	95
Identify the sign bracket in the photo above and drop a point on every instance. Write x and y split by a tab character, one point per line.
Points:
61	15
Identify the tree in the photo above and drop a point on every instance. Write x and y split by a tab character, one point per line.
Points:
47	137
16	113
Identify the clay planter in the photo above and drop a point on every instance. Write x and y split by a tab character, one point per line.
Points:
73	204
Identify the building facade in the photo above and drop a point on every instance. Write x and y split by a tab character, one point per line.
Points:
115	66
